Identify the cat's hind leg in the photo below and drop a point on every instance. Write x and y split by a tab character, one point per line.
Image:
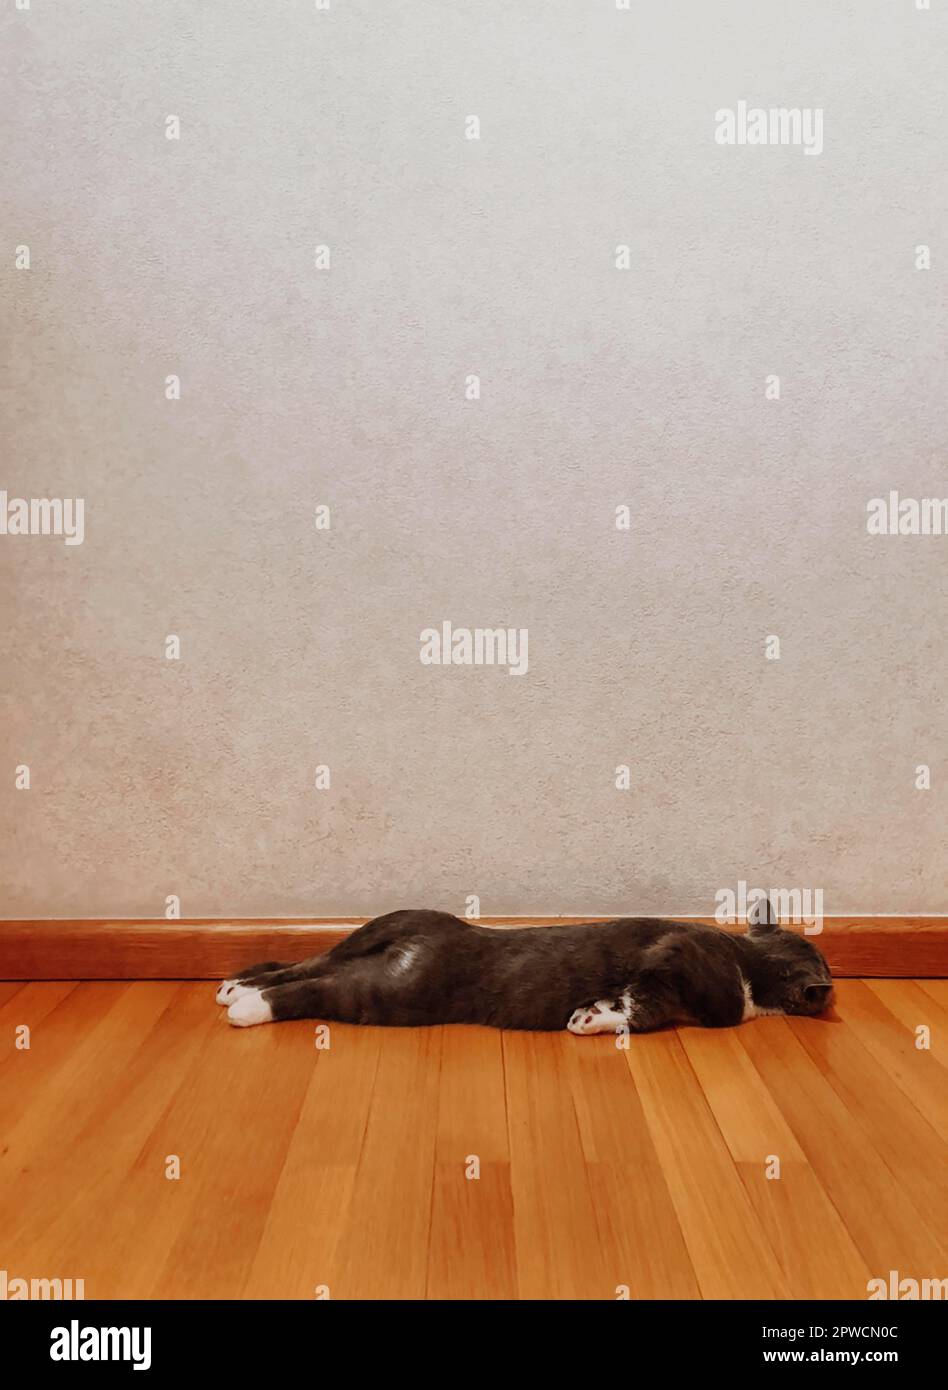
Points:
382	936
226	989
380	988
268	972
312	997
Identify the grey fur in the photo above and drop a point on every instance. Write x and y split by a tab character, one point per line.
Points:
419	967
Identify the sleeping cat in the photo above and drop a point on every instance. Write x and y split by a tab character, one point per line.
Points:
637	973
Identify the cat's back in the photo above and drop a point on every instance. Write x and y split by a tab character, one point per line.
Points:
612	939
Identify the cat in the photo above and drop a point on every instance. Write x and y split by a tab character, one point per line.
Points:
419	967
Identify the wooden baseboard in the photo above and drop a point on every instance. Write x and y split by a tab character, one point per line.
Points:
211	948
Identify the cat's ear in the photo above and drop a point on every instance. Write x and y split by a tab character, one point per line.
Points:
762	916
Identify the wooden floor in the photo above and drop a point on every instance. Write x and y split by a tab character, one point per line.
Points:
346	1169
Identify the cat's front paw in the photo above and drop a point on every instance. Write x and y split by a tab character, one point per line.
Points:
585	1020
251	1008
601	1017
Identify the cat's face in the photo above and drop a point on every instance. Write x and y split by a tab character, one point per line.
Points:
794	973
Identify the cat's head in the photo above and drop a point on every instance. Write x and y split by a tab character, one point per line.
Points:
790	972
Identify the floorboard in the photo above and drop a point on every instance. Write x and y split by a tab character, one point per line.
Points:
787	1158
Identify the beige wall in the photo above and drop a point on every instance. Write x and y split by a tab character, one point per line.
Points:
346	387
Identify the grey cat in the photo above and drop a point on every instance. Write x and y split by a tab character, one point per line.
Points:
414	968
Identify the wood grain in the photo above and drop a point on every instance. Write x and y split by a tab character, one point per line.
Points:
554	1216
605	1171
383	1241
472	1204
815	1251
882	1209
211	948
637	1226
728	1247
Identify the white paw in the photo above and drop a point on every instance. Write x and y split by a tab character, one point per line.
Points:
230	991
249	1009
600	1017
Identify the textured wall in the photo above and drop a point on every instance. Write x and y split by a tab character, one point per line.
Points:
345	387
